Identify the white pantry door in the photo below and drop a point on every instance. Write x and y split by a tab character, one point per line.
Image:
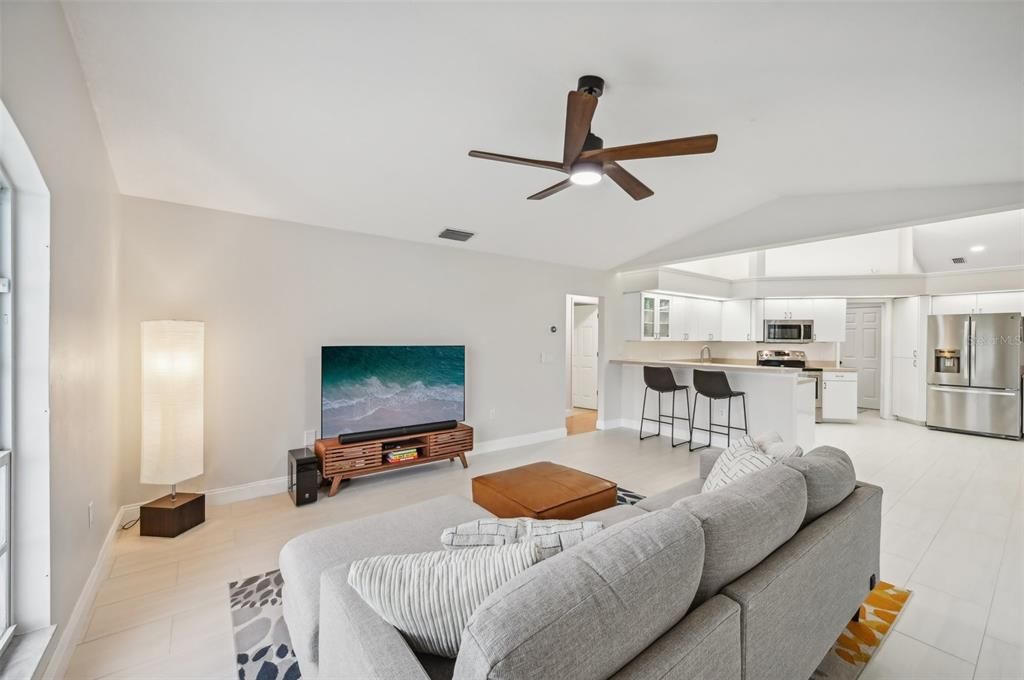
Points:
584	356
863	351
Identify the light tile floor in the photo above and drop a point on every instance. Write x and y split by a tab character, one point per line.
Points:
952	531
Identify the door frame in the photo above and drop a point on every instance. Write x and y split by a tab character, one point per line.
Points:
570	300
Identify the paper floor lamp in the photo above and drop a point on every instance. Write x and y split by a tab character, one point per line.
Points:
172	424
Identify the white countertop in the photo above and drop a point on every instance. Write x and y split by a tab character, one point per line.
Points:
737	365
714	364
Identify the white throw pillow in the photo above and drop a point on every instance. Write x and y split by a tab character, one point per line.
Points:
779	450
764	440
733	464
429	597
552	536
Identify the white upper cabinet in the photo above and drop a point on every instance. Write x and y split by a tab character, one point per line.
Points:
797	309
982	303
801	309
829	316
775	310
681	313
1000	303
710	320
738	320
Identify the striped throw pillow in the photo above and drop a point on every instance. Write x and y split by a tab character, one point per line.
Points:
551	536
429	597
735	463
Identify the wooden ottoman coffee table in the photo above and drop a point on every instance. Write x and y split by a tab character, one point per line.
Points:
543	491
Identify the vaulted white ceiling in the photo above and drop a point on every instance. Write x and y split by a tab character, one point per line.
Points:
359	116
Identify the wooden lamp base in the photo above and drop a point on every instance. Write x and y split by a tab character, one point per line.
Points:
167	517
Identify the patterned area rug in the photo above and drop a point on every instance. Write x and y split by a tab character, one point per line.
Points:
861	639
263	650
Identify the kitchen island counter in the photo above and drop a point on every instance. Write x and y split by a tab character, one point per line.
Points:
778	399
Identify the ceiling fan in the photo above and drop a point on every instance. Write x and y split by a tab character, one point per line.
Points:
584	157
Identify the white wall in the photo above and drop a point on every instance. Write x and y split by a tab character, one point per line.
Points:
43	89
877	253
271	293
725	267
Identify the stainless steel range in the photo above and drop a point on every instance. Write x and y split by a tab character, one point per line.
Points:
794	359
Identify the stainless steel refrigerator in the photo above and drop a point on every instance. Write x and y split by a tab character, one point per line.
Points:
974	374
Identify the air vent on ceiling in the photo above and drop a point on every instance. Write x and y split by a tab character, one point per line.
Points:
959	260
456	235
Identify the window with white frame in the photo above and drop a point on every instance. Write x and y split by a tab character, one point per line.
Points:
6	416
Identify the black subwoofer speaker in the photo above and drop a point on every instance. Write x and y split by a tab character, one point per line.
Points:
303	476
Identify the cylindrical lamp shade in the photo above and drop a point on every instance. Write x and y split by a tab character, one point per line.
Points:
172	401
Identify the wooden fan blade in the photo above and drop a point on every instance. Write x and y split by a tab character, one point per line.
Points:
579	111
669	147
486	155
554	189
630	184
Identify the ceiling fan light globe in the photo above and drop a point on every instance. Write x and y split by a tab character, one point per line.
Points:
586	174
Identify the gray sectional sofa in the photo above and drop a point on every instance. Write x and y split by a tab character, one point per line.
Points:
753	581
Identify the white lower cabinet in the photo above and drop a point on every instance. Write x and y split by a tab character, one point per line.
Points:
839	395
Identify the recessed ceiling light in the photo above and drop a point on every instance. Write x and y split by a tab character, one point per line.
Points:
977	249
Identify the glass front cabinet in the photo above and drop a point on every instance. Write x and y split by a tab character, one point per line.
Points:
654	313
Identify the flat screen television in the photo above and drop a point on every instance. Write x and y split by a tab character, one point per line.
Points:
366	388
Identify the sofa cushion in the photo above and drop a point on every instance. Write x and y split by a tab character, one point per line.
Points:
745	522
413	528
588	611
430	596
829	475
616	514
665	499
551	536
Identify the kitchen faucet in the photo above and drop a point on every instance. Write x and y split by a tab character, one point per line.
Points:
705	347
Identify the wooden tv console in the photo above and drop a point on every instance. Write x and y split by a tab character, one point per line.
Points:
345	461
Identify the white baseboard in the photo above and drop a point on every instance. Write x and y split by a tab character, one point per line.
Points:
627	423
74	629
519	440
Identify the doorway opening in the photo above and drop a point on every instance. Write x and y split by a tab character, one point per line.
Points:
583	338
863	350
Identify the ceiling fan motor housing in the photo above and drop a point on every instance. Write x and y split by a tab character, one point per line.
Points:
593	85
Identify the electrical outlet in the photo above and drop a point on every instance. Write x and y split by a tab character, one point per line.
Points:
90	514
492	413
309	437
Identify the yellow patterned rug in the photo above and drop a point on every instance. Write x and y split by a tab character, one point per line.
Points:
861	639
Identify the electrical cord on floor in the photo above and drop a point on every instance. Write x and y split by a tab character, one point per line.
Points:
129	524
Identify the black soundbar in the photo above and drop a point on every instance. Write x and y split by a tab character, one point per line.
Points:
389	432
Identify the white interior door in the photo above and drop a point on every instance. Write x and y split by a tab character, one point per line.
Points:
863	351
584	356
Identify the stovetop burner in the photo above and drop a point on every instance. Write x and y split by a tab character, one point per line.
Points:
781	357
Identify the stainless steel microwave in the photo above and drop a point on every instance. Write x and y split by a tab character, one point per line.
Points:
788	331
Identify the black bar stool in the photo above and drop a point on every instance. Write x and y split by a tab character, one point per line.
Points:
661	380
715	385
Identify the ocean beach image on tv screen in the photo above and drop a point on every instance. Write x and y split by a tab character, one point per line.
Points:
375	387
